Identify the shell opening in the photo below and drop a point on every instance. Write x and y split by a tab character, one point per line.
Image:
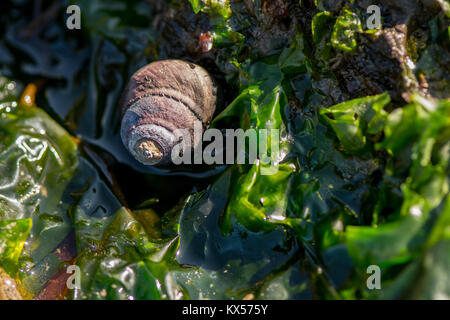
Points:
149	144
147	151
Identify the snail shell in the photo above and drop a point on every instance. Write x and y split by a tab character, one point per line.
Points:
160	98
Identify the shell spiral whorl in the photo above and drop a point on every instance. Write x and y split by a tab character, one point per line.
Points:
160	98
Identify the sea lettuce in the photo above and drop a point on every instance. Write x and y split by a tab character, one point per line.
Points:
345	30
355	181
37	161
44	181
13	234
355	119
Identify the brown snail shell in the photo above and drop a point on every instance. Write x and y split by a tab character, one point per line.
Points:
160	98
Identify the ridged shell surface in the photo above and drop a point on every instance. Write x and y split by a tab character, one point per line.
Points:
160	98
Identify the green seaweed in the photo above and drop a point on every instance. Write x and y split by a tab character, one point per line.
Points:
354	182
